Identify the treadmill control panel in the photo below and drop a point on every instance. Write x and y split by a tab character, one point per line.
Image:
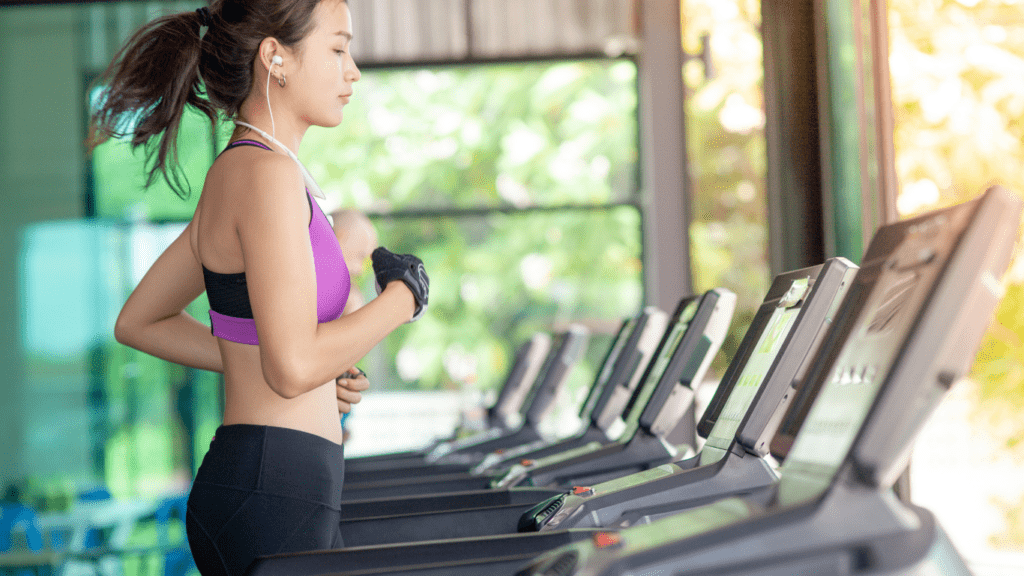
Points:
571	504
537	516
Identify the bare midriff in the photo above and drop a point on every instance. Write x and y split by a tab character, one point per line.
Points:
248	399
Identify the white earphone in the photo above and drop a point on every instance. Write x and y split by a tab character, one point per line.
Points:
276	60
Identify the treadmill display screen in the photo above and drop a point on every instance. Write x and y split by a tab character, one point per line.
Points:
606	368
626	423
753	374
853	383
613	356
881	329
639	400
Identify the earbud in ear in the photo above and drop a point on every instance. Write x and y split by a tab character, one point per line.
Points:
277	60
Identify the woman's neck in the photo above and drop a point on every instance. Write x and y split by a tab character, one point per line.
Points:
286	129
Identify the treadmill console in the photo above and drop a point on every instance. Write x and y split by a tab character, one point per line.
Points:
828	286
572	350
607	366
663	415
634	366
929	287
528	361
756	368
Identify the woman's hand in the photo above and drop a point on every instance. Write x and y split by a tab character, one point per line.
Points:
389	267
349	387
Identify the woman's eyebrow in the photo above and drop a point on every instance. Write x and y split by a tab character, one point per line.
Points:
347	35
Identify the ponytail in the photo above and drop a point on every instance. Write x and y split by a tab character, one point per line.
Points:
157	73
147	86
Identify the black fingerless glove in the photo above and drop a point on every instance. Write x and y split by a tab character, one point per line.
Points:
388	267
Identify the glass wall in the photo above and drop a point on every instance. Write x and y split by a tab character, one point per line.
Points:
516	183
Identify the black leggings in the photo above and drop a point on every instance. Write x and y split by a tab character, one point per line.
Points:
263	490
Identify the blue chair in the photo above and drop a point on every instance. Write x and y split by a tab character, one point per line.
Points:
94	494
178	561
18	517
175	505
94	538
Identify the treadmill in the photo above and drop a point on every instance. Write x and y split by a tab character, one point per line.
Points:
697	330
501	459
806	298
797	308
663	399
783	340
526	366
922	302
565	353
596	428
412	468
525	369
629	366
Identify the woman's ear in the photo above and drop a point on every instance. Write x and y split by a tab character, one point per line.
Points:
270	53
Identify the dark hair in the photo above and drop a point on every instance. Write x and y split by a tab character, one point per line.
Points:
166	66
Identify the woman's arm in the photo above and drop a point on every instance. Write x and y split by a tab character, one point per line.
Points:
298	354
154	320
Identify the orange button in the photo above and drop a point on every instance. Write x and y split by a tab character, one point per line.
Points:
526	462
582	491
606	539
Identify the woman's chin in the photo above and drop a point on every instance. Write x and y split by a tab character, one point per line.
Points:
329	120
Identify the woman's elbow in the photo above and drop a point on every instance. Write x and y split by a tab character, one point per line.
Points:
125	331
286	378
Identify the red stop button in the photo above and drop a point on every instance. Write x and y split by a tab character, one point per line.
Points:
607	539
526	463
582	491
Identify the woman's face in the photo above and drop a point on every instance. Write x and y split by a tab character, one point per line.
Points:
320	83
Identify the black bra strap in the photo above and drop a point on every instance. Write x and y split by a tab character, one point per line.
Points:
247	143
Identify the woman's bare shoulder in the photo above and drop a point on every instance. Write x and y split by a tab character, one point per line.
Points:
248	177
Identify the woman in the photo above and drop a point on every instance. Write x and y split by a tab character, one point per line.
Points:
267	257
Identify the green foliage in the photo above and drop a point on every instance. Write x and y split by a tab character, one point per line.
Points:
726	152
956	69
462	142
546	134
497	278
119	173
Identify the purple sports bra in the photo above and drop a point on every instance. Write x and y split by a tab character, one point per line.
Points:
230	311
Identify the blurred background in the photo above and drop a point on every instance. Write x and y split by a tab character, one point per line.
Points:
511	145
